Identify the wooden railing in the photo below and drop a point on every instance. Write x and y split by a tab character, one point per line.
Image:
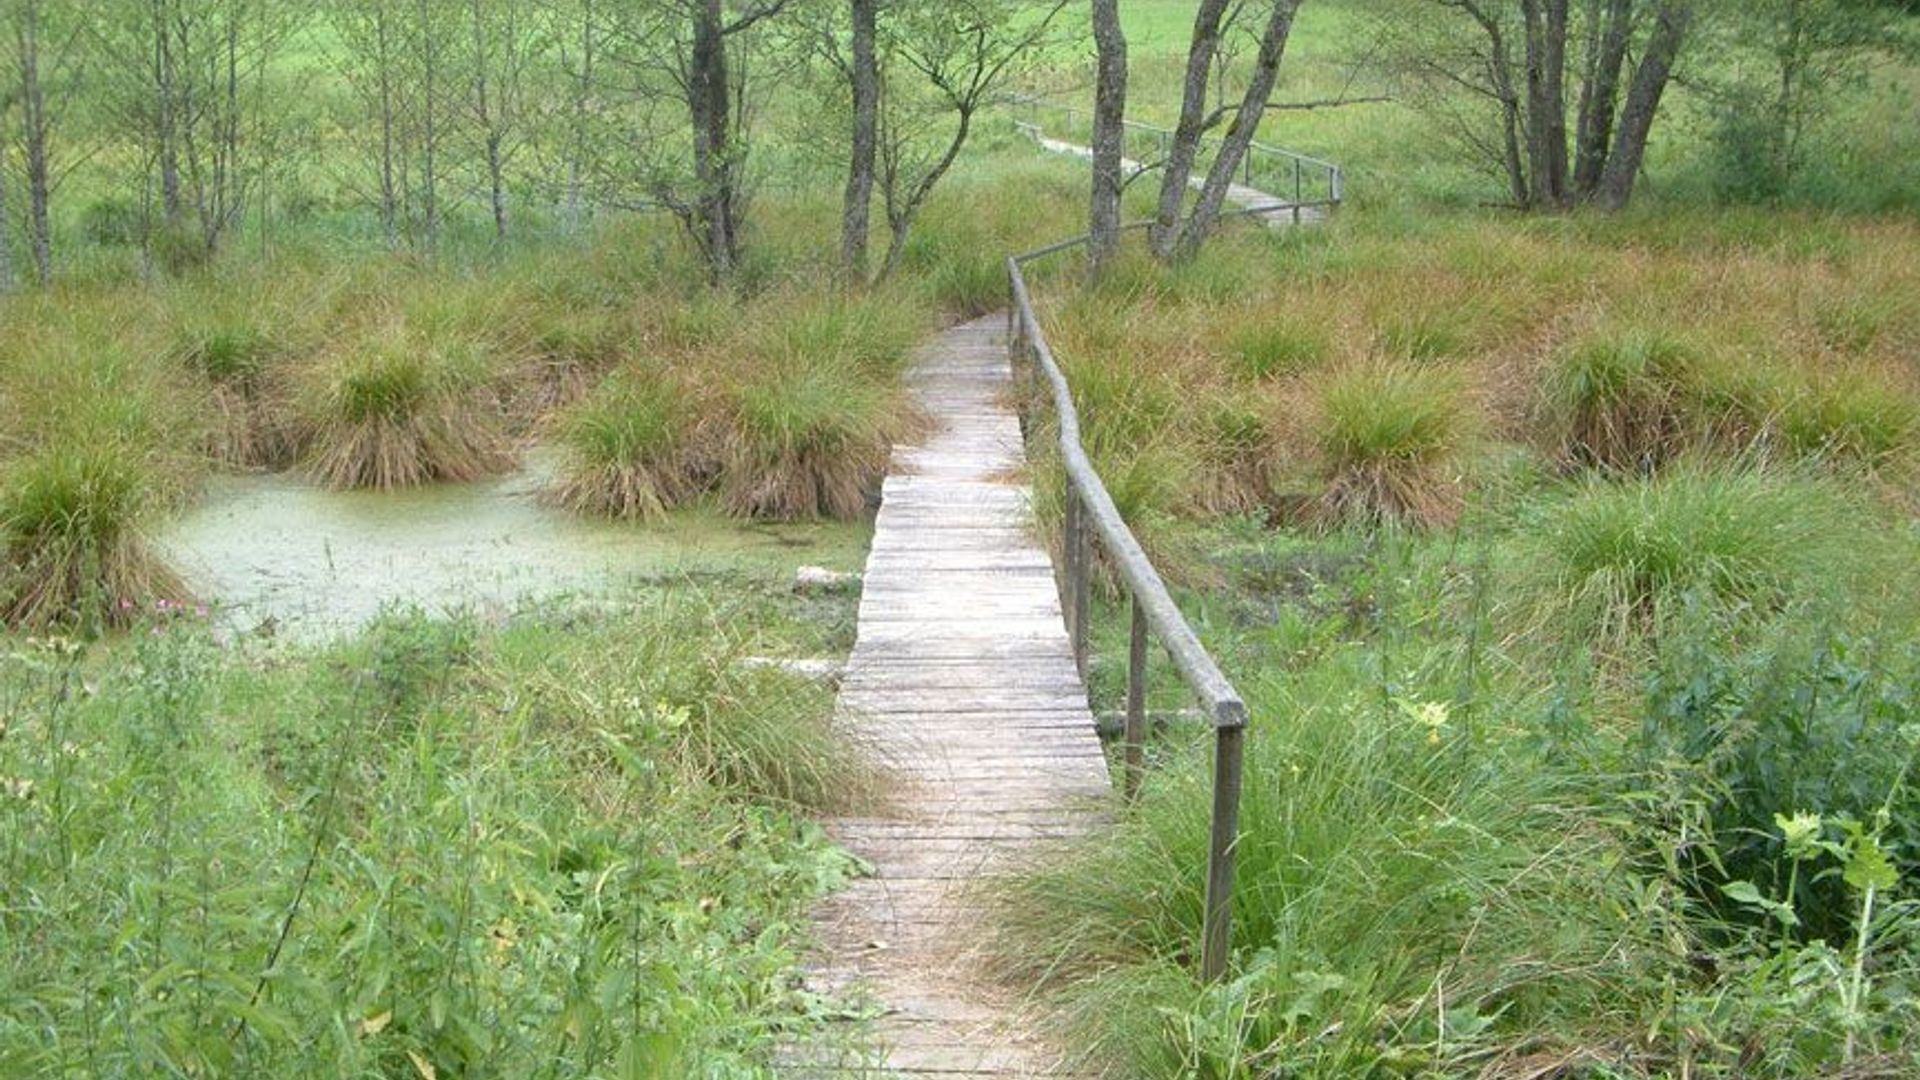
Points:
1091	516
1299	180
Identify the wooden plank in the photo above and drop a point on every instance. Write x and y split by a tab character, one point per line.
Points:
963	688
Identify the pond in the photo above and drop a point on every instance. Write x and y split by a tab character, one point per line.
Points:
274	553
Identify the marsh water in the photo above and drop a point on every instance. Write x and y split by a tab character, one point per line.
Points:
274	552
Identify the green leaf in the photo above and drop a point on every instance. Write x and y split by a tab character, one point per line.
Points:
1868	866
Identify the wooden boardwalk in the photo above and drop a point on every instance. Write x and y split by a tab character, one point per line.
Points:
962	684
1274	210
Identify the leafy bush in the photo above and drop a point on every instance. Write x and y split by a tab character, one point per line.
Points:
543	849
1804	723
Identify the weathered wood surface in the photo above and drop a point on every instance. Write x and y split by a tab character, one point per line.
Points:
1276	211
962	685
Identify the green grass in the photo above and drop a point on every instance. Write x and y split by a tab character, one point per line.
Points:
405	407
571	845
807	440
626	447
1281	346
1619	398
1413	892
1390	438
72	521
1618	558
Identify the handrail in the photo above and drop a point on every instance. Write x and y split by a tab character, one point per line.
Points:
1154	611
1334	177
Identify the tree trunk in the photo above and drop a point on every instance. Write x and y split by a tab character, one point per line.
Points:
7	279
489	123
165	87
1546	27
1599	93
1671	23
389	200
1109	135
709	103
901	215
1164	237
37	128
430	132
1246	121
857	206
577	153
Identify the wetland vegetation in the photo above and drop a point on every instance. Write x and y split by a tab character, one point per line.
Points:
1566	556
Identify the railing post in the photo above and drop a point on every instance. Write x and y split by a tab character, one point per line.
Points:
1136	731
1229	745
1296	181
1335	181
1078	557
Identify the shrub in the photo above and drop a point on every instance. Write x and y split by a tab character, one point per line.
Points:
1809	720
399	411
1620	554
807	440
112	222
70	523
625	447
1389	436
1619	400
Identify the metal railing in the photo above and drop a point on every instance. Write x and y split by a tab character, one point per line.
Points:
1091	515
1283	174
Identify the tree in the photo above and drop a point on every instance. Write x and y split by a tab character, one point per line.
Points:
1494	73
504	40
36	64
1246	122
578	50
1170	236
7	280
1184	146
863	76
1109	134
1811	51
370	30
946	61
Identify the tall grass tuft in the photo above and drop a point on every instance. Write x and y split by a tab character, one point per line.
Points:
1850	417
1279	345
1618	556
70	523
1619	400
807	440
1390	436
1404	880
403	409
626	448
